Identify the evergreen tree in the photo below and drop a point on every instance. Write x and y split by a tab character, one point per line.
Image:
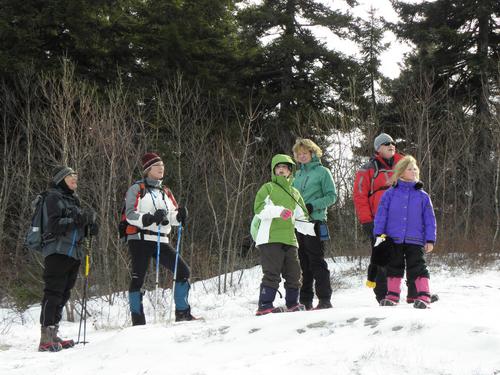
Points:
197	38
447	86
297	71
369	35
93	34
458	42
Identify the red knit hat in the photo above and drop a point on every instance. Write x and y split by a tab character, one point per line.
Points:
149	159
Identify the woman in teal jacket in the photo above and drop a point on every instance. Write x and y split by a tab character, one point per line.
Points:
315	184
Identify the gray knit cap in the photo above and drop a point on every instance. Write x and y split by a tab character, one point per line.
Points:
60	172
381	139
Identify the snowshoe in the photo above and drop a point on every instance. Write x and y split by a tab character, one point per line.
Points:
419	304
388	302
184	315
65	344
49	347
271	310
47	342
308	305
264	311
297	307
434	298
323	304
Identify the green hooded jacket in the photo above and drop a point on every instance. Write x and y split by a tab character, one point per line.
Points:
315	184
271	199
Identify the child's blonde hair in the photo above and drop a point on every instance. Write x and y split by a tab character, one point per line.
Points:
308	145
402	166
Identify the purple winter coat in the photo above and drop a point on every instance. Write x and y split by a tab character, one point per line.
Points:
406	215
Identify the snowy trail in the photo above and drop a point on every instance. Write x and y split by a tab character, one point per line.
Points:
460	334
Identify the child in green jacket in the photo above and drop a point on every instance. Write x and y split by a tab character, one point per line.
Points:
281	210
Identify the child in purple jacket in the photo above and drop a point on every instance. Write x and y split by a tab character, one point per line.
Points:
405	214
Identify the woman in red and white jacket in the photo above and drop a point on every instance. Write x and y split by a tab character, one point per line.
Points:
151	211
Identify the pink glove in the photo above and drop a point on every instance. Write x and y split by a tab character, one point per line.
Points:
286	214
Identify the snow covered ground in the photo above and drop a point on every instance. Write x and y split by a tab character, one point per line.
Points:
460	334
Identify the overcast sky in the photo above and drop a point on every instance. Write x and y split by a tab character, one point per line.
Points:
393	56
390	59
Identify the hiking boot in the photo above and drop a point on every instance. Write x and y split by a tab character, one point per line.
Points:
308	306
264	311
47	343
388	302
297	307
419	304
271	310
65	344
434	298
184	315
323	304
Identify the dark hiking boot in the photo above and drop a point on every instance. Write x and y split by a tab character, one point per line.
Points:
65	344
434	298
419	304
136	308
323	304
271	310
184	316
47	343
297	307
388	302
138	319
307	304
264	311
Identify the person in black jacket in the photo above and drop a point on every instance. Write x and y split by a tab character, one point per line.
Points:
63	252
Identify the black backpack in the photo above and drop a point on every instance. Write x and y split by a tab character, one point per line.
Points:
34	238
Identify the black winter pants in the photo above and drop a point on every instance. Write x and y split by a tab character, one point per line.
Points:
141	253
279	259
407	256
59	275
380	289
314	268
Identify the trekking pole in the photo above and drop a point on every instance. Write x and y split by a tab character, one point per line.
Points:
157	281
83	313
177	251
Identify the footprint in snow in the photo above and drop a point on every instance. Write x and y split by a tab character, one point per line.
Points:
372	322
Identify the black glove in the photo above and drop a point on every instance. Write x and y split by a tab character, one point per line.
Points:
368	229
147	220
85	217
310	208
182	214
160	217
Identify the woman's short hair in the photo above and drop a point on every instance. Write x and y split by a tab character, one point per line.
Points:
306	144
402	165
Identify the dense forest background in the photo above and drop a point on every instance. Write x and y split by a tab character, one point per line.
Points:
95	84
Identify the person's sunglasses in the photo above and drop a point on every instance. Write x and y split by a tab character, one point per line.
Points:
389	143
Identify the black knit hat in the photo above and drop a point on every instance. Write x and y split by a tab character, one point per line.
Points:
60	172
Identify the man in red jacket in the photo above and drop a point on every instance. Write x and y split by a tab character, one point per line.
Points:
372	180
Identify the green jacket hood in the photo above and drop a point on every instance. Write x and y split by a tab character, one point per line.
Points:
282	158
